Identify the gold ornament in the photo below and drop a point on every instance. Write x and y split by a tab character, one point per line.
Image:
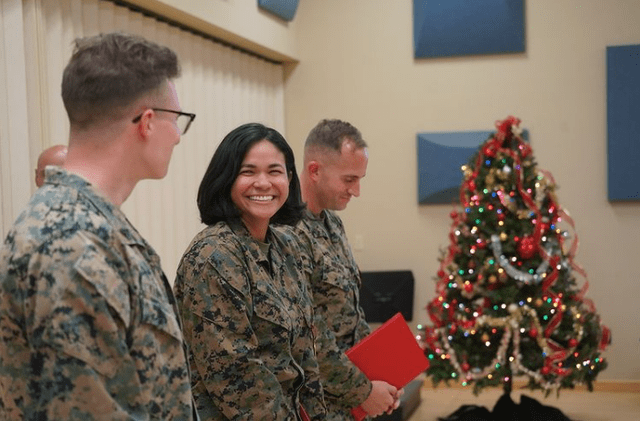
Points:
503	236
493	279
523	214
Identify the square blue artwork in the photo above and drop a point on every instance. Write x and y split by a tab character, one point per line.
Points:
284	9
440	157
623	123
467	27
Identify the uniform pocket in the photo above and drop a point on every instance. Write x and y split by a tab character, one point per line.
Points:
89	316
335	274
269	305
93	268
161	316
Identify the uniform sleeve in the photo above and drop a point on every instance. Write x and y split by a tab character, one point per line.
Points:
216	305
311	394
341	380
76	314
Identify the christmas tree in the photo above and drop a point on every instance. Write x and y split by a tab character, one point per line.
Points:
510	300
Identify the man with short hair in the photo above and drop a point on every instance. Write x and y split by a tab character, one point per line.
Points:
335	160
54	155
89	326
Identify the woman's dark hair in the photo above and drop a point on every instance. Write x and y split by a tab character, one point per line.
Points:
214	194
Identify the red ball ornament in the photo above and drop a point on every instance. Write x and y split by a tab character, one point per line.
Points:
527	247
545	370
465	367
453	215
441	273
543	228
573	343
489	150
468	286
533	332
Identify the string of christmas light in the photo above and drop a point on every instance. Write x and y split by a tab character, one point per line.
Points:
507	300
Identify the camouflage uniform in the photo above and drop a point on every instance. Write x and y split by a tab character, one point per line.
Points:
335	281
88	321
249	325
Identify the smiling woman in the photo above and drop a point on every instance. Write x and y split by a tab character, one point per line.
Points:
247	315
261	188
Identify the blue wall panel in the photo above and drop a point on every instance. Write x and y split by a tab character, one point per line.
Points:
623	123
440	156
465	27
285	9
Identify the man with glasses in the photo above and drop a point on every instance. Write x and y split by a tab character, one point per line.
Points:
89	324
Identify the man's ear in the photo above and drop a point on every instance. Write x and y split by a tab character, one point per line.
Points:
146	125
313	168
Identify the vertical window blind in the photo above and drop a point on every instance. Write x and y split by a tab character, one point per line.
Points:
224	86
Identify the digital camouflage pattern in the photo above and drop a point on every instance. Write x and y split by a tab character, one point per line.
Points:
87	318
249	325
335	282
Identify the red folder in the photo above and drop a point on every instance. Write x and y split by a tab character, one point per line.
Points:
390	353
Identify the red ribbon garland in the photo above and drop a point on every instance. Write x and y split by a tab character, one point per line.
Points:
468	190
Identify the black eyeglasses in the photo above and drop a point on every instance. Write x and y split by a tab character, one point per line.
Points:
183	120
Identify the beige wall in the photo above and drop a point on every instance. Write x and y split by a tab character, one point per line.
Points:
356	63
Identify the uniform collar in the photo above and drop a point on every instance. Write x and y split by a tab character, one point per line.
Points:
61	177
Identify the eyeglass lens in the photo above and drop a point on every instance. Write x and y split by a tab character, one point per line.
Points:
183	122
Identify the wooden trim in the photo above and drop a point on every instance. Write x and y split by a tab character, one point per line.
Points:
185	21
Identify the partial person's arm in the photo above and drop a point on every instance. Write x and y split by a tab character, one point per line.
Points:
311	394
341	379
